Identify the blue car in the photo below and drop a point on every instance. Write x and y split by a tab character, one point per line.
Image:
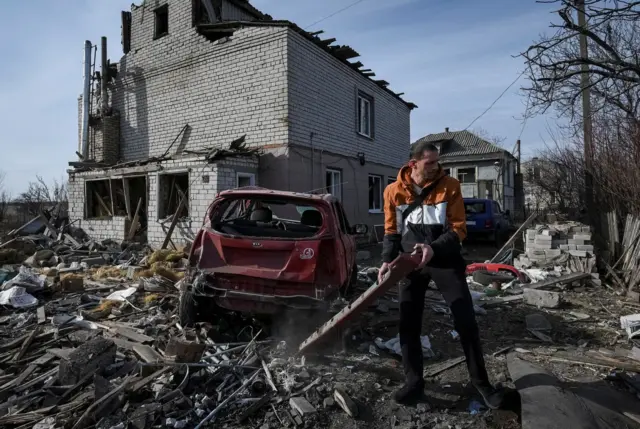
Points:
485	219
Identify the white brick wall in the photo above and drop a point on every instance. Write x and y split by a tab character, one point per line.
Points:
266	82
222	89
221	176
322	100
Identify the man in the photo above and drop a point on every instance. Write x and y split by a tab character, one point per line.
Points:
424	210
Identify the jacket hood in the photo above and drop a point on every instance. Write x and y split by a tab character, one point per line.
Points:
404	178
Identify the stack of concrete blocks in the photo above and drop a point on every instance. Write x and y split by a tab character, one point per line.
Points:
543	244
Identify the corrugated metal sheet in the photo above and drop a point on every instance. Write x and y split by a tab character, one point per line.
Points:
461	143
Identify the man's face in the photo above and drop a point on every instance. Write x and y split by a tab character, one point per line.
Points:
428	165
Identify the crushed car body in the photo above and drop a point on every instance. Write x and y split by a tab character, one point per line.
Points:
261	251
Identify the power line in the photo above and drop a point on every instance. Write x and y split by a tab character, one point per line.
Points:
335	13
496	100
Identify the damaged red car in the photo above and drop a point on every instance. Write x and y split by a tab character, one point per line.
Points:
263	251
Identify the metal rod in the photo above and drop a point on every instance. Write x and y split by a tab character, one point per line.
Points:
85	99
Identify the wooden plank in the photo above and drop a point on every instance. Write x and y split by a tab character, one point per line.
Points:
132	335
174	222
25	345
113	209
515	236
42	316
147	353
127	197
102	203
549	404
134	222
437	368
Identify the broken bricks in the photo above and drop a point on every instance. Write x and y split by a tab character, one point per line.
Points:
90	357
542	298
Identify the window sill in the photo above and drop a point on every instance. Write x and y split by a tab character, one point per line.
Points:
364	136
376	211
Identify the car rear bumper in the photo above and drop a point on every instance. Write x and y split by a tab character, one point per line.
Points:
249	297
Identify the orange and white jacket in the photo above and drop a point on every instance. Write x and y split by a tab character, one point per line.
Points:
439	221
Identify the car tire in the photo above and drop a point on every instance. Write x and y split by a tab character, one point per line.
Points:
486	278
187	309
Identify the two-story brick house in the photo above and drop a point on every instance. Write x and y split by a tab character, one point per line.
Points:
198	75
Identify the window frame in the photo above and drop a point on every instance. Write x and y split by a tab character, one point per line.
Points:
338	185
381	194
361	99
391	180
244	174
160	208
157	12
475	174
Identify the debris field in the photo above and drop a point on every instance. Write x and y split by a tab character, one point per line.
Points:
90	338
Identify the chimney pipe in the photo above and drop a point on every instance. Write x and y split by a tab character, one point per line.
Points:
446	130
104	72
85	99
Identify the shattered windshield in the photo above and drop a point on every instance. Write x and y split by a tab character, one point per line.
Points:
268	217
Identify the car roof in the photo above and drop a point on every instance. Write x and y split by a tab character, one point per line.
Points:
257	191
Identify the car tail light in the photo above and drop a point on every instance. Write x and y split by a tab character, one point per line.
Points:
488	223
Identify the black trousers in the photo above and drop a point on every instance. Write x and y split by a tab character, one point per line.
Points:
452	284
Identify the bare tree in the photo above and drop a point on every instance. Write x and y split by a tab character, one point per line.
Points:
554	63
5	197
491	138
40	195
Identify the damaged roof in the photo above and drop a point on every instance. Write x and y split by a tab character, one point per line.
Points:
463	143
341	52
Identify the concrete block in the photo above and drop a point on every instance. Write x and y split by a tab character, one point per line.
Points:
90	357
558	242
596	282
542	298
531	233
542	246
575	242
582	236
564	247
585	247
551	253
595	275
302	406
578	253
585	229
543	237
546	232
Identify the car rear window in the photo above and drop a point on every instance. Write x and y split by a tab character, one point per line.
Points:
475	208
268	217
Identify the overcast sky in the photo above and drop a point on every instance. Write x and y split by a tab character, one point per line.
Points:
452	58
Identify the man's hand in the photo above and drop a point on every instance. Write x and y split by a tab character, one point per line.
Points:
427	254
383	270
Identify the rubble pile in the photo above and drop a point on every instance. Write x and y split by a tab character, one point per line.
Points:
564	246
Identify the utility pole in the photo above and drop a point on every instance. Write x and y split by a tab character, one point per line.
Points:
586	116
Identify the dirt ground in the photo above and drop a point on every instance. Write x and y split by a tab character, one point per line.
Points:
371	379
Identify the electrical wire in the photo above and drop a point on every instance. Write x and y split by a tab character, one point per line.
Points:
496	100
335	13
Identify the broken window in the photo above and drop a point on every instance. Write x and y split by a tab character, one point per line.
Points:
375	193
245	179
447	172
172	190
98	199
256	216
365	114
467	175
161	21
333	182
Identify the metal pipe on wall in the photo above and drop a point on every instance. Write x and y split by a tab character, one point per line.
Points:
85	99
104	72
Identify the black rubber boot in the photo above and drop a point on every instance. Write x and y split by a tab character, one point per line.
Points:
492	396
410	393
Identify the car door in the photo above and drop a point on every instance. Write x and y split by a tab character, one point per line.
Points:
498	216
347	240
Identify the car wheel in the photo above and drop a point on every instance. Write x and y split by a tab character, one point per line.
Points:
486	278
187	310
